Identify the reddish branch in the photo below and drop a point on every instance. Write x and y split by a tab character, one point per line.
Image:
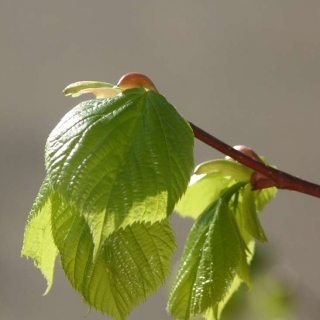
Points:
281	179
263	176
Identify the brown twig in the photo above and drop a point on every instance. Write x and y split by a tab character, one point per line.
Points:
282	180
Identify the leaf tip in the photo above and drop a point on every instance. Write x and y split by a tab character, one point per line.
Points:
98	89
49	286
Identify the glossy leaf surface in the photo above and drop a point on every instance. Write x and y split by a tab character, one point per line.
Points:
117	166
209	262
202	193
123	159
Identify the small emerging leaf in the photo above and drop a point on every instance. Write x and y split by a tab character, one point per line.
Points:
244	203
262	197
243	271
201	194
227	168
98	89
250	216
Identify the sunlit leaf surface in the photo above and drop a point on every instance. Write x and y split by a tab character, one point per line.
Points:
38	243
116	169
209	262
201	194
120	160
218	178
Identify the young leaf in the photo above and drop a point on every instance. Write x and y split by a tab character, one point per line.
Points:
227	168
243	272
250	216
201	194
132	263
262	197
219	174
214	313
99	89
123	159
209	262
38	243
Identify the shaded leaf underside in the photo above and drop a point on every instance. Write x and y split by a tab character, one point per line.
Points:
132	263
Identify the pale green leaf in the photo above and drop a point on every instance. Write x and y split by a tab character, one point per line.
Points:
209	263
250	216
243	273
41	199
72	236
262	197
100	229
244	268
99	89
123	159
207	189
227	168
214	313
201	194
204	192
132	264
38	243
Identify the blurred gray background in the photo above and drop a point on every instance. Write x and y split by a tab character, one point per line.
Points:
246	71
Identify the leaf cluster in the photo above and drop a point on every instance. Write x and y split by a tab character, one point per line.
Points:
117	166
220	245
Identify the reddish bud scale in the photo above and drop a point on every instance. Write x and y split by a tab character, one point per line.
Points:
136	80
257	180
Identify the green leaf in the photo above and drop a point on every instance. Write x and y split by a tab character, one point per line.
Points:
244	203
250	216
99	89
243	272
123	159
262	197
227	168
244	267
214	313
132	264
211	178
209	262
201	194
38	243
